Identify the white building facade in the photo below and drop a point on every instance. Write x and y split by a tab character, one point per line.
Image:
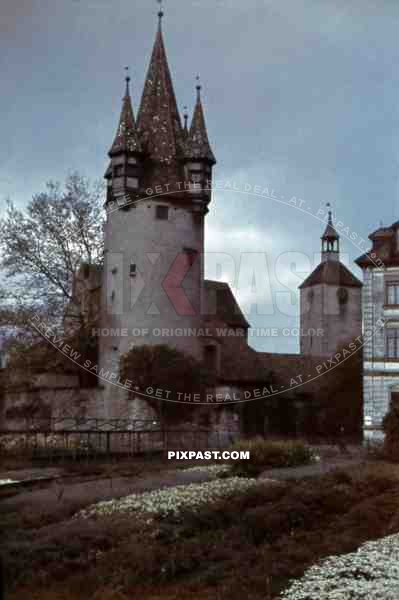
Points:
380	302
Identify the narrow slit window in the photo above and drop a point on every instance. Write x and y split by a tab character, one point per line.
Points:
191	254
133	270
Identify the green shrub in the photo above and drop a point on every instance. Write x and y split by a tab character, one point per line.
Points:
266	454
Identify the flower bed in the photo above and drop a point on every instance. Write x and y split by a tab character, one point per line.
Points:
371	572
215	470
171	501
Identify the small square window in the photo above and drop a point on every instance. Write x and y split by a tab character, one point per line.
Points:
162	212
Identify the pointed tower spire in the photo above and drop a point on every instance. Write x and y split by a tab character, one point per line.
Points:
197	145
330	240
159	119
126	139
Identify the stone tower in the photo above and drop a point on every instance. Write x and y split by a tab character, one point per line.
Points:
158	191
330	300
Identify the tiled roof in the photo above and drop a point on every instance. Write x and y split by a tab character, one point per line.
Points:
385	248
197	145
158	119
126	139
366	260
331	272
227	309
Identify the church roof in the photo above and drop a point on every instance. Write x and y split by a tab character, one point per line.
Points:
126	138
158	119
197	145
331	273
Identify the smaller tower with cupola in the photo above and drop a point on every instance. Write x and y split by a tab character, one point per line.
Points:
330	301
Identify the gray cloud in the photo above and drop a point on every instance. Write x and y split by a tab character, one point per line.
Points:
301	96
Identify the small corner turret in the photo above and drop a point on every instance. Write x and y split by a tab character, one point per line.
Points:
198	156
124	172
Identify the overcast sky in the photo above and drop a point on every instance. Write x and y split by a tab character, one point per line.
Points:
301	96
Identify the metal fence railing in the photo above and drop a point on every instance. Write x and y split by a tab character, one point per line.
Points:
84	424
68	443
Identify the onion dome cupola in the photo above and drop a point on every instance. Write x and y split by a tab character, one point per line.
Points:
330	242
124	172
198	156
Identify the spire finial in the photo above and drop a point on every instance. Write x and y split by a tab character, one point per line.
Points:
198	86
127	79
329	213
160	12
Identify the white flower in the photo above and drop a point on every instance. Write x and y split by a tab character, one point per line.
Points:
371	572
171	501
215	470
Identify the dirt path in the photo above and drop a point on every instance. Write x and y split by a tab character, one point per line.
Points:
63	495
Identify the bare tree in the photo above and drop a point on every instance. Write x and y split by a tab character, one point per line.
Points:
43	246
